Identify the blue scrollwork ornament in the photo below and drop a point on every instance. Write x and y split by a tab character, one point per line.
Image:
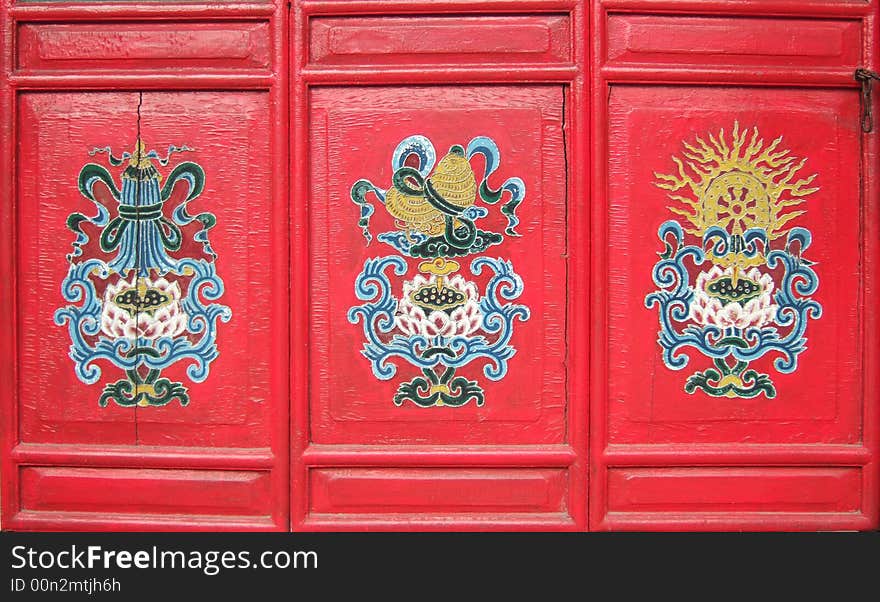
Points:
135	298
439	321
733	283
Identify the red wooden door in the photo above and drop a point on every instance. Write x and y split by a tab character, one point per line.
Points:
539	264
734	253
149	232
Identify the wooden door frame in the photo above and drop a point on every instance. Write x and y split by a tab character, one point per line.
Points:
571	455
586	454
864	454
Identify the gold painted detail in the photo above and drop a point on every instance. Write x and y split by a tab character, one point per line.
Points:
144	389
733	381
413	212
453	179
436	296
139	156
737	185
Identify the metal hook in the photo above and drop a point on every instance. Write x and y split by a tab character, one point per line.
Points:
864	77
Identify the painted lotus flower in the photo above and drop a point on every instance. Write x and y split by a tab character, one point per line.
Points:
712	304
143	308
462	320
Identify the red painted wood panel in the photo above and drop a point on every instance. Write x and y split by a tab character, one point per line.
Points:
146	491
143	46
55	407
589	104
355	132
735	489
233	407
347	132
742	43
378	491
213	455
821	401
393	41
678	102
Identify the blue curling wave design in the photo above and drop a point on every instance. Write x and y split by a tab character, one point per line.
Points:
84	320
377	319
201	318
483	145
795	307
100	219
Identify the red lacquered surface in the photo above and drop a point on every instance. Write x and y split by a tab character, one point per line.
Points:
665	459
285	107
92	76
439	468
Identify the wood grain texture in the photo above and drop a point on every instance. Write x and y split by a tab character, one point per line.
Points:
377	491
145	45
354	133
291	429
141	491
818	403
56	133
805	460
809	8
735	489
350	133
227	130
391	41
741	43
220	463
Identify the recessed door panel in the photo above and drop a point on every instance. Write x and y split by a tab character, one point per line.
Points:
781	161
504	333
233	405
57	133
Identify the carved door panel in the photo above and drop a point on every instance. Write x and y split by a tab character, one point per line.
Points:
151	390
437	209
736	392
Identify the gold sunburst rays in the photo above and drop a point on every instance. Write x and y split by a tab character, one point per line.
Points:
737	186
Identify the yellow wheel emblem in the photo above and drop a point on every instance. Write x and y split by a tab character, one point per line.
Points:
727	286
738	185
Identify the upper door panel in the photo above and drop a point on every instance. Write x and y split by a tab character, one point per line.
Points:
515	356
149	225
760	168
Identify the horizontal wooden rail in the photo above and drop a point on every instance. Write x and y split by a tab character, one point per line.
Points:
734	76
465	522
736	455
142	456
752	8
440	75
391	7
68	521
430	455
128	11
105	80
741	521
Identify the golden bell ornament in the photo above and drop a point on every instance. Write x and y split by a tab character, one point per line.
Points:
453	179
414	212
